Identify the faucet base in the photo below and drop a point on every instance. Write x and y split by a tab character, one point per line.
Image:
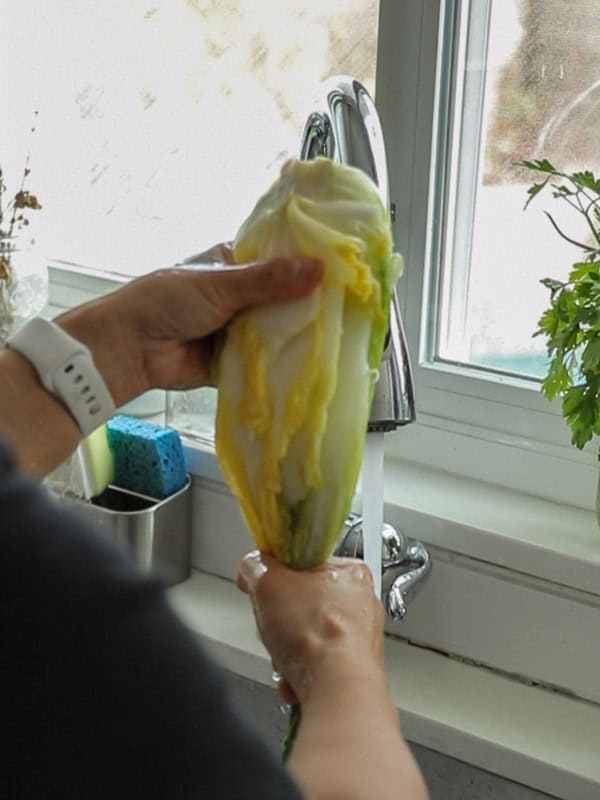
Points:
405	563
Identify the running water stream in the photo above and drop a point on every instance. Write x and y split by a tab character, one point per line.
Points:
372	505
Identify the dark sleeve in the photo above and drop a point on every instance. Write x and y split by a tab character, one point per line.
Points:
104	693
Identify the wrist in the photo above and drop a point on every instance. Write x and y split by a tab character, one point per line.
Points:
342	670
66	369
112	346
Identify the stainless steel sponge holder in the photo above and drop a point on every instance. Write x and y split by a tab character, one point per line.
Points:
156	533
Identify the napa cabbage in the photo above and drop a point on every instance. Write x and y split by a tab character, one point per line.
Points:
295	379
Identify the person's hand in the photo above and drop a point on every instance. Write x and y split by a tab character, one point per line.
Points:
324	631
314	621
158	330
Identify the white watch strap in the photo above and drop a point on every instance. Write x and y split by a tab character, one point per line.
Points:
67	370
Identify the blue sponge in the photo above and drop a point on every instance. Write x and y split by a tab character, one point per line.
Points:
148	458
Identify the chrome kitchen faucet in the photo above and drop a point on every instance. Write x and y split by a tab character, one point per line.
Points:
345	127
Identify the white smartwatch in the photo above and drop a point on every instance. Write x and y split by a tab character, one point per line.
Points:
67	370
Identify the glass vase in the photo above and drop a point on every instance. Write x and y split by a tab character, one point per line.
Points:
23	284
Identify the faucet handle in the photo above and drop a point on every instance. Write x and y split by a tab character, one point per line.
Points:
414	569
405	563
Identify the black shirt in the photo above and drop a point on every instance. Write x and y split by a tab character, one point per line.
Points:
103	692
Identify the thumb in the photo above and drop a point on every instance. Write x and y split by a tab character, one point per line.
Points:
266	282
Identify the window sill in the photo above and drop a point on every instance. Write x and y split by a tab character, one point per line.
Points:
530	735
555	542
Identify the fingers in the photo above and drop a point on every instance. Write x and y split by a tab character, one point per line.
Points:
256	564
300	614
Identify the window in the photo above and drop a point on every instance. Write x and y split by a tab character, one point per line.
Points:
476	90
141	158
159	121
519	93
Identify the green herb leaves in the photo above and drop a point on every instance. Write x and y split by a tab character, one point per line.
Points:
571	323
571	326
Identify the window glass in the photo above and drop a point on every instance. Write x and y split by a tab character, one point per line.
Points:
158	122
526	87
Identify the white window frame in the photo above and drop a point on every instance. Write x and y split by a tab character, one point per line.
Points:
455	403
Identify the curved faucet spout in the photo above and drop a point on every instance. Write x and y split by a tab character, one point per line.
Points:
345	127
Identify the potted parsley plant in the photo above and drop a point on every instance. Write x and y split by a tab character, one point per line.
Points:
571	322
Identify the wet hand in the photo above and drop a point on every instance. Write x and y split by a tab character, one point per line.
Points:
314	622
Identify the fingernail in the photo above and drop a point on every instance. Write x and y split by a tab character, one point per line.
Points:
252	569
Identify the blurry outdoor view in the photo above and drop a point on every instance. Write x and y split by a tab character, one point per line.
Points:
161	121
541	99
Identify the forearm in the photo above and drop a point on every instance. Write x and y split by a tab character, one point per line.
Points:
349	743
37	426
